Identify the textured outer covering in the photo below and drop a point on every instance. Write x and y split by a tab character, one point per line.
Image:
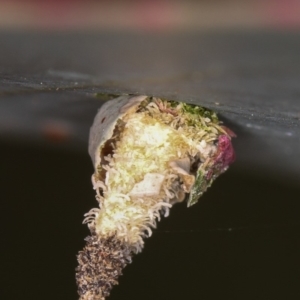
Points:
106	119
100	264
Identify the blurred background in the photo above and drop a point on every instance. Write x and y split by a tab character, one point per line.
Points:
148	15
58	62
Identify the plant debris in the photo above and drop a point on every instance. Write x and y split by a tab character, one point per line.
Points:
148	153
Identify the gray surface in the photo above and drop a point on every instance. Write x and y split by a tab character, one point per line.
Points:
49	81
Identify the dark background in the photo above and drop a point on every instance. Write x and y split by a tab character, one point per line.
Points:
241	241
